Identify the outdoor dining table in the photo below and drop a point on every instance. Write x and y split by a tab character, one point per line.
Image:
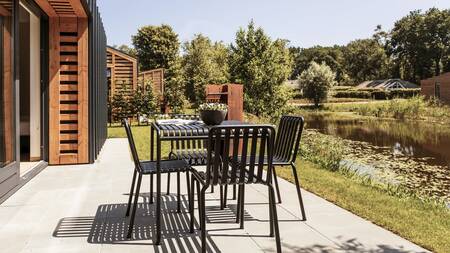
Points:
166	132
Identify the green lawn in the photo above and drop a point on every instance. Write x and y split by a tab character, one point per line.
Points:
423	223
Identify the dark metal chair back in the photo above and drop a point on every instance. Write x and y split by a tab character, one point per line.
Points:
133	149
288	138
226	165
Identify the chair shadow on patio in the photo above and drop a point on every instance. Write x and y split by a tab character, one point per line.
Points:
109	225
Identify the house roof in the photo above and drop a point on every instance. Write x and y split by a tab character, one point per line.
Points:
386	84
121	53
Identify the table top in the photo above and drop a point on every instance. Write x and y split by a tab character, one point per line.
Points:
196	129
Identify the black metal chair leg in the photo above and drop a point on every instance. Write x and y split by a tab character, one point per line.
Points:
202	206
151	189
238	205
131	194
188	182
178	193
158	209
221	197
133	212
299	193
212	189
168	183
225	193
271	233
199	202
242	213
191	205
275	179
273	206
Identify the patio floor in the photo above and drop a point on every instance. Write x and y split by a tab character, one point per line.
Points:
81	209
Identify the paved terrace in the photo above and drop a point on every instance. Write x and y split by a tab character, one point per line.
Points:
81	209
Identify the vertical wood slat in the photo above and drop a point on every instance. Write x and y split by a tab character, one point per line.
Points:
54	79
8	97
83	99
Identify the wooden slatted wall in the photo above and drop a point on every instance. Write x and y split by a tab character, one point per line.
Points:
156	76
123	71
68	90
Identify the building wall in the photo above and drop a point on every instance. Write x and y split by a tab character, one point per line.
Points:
156	77
123	71
428	87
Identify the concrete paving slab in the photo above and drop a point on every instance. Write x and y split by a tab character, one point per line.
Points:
82	209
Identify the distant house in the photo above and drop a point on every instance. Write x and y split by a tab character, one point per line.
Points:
438	87
387	84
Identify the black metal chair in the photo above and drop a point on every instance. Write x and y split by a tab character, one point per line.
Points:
251	141
148	168
287	144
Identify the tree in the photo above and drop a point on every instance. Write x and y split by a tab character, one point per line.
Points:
420	44
316	81
365	59
126	49
120	105
332	56
203	63
158	47
261	65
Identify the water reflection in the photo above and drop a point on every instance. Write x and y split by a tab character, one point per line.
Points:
415	153
418	140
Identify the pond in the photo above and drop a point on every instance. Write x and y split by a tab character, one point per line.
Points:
413	154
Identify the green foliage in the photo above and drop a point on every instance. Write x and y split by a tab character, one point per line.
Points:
261	65
322	149
420	43
126	49
365	60
332	56
203	63
120	107
316	81
158	47
352	94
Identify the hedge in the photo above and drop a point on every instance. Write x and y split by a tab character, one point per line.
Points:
377	93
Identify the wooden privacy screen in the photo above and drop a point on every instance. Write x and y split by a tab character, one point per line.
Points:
68	90
156	77
229	94
442	83
123	69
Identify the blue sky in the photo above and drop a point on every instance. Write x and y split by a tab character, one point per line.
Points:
304	23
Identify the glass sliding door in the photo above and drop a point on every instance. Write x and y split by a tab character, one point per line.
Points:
9	176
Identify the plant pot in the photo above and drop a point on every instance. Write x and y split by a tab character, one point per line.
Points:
213	117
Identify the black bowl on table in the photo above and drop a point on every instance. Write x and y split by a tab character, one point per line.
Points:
213	117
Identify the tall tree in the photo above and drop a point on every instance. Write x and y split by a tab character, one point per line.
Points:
420	44
158	47
332	56
203	63
365	59
261	65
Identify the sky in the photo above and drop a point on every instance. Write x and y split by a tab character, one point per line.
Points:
303	23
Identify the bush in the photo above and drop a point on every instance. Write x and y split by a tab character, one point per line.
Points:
404	93
352	94
324	150
316	81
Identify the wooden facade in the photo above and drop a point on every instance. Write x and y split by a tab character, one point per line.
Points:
229	94
122	69
156	77
438	87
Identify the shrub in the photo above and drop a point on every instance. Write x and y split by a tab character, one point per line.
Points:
404	93
352	94
325	150
316	81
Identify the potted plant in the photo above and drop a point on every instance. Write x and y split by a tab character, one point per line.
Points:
213	113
